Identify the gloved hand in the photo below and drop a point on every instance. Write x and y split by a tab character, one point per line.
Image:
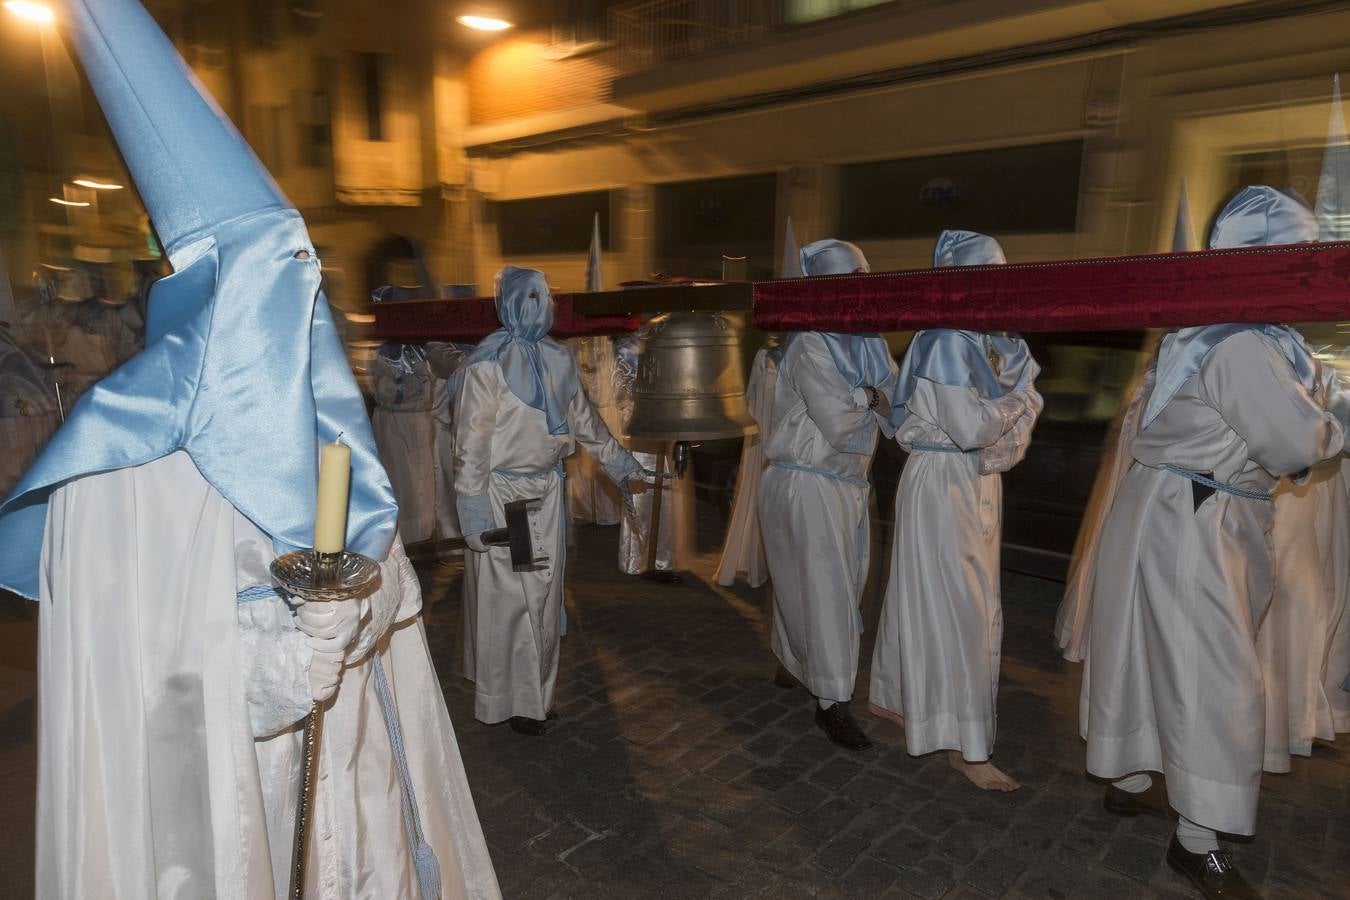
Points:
475	543
330	625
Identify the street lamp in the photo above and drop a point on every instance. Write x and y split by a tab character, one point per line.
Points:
484	23
33	12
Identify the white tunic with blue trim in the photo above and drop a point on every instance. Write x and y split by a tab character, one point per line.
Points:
1184	575
504	452
813	513
936	660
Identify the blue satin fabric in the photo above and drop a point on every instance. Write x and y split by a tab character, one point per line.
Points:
863	359
403	356
962	358
1258	216
243	367
538	370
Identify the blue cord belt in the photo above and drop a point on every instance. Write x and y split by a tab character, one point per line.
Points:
847	479
937	448
1217	485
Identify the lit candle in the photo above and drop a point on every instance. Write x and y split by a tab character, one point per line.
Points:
330	519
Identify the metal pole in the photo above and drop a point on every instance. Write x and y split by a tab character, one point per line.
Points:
654	535
310	748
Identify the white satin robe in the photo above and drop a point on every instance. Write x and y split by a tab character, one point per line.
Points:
445	360
591	497
817	534
940	639
168	748
1075	610
1303	630
743	547
1172	682
512	619
405	433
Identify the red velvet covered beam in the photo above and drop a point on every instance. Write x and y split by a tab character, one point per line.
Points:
472	319
1299	283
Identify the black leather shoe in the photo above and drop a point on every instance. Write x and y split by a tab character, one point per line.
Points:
1212	873
841	728
1152	802
523	725
785	679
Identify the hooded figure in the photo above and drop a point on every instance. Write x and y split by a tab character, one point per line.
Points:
1075	610
403	386
964	412
743	548
171	674
519	412
1304	641
832	393
591	497
1184	573
28	413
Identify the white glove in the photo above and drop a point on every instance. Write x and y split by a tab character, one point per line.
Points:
475	543
331	626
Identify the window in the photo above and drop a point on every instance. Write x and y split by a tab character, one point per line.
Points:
372	77
315	119
548	225
699	222
1032	188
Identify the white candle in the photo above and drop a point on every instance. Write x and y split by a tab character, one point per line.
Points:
330	519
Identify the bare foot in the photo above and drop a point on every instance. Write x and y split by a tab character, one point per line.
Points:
985	776
884	713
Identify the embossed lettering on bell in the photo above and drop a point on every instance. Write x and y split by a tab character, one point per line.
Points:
690	381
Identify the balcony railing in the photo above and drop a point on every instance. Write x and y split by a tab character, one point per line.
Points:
654	31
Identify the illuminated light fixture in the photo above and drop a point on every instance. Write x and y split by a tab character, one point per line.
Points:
33	12
483	23
97	185
59	202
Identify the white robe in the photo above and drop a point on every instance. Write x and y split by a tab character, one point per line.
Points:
814	496
512	619
1172	682
405	433
1311	541
743	548
1075	610
168	753
939	643
591	497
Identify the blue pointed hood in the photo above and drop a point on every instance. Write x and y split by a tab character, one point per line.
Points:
242	367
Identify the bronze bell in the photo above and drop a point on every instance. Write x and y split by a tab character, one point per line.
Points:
690	382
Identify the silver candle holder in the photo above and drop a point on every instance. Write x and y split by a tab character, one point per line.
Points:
317	578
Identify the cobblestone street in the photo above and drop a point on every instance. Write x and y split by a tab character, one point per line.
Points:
680	770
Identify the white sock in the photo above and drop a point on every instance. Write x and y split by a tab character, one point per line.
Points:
1136	783
825	704
1196	838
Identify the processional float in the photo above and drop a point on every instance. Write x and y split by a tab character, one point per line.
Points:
690	381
